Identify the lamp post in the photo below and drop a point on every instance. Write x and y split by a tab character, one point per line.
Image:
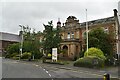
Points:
86	31
21	50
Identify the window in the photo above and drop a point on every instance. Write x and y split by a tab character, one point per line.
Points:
72	35
40	39
68	36
77	34
106	30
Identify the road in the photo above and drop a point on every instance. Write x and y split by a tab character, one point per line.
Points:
15	69
23	69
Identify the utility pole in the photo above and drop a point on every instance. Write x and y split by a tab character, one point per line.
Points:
86	31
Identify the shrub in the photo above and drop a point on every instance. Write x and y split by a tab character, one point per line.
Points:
90	61
15	58
13	48
82	54
26	55
95	52
13	55
109	61
38	55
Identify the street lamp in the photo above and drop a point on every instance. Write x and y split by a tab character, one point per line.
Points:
21	50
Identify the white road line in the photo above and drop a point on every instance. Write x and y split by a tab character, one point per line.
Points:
36	65
46	71
50	75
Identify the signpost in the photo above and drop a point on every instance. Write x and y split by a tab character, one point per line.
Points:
54	54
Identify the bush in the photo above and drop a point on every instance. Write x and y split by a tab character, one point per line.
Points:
38	55
82	54
95	52
109	61
15	58
13	48
13	55
26	55
90	62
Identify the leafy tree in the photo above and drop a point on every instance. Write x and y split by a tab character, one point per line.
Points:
13	48
52	37
30	43
100	39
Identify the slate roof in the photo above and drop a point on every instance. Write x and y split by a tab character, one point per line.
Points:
98	21
9	37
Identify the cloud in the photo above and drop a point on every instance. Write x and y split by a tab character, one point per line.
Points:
35	14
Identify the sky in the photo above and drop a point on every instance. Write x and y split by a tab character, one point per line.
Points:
35	13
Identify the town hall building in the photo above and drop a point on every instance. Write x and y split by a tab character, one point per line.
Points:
72	32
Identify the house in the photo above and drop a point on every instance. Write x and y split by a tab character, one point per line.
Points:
6	39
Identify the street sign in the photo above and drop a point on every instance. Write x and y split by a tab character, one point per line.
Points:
54	54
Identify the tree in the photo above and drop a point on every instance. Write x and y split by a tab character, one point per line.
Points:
52	37
100	39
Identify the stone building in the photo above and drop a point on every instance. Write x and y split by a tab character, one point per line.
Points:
7	39
72	33
71	36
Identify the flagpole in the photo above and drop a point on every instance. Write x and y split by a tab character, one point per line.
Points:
86	31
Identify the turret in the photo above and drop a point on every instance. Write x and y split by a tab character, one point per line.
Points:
58	23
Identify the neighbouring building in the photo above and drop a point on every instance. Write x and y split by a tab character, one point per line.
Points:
7	39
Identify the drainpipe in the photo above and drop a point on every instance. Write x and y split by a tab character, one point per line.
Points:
117	25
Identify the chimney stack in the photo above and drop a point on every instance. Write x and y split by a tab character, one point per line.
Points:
115	12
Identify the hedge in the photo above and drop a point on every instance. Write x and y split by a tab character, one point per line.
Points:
26	55
90	61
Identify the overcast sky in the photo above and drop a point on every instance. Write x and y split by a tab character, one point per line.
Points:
35	13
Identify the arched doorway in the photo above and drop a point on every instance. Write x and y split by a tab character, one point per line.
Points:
65	51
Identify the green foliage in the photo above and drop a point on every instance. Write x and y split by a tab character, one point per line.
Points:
30	43
13	48
95	52
26	55
38	55
52	37
13	55
109	61
15	58
100	39
82	54
93	58
90	61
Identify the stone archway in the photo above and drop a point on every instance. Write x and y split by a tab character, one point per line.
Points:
65	51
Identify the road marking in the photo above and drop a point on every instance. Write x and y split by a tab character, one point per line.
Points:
50	75
46	71
36	65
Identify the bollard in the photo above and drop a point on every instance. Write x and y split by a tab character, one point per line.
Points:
106	76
